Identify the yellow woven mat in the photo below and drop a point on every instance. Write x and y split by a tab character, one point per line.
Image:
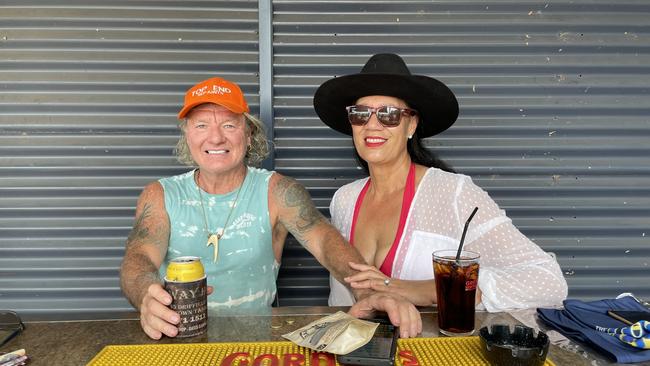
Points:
444	351
426	351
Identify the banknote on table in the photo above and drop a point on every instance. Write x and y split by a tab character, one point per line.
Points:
339	333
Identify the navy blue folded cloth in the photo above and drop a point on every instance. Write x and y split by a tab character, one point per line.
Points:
584	321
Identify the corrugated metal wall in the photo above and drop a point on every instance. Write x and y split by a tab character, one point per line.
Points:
554	121
89	91
555	116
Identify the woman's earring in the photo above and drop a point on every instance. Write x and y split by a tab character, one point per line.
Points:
410	137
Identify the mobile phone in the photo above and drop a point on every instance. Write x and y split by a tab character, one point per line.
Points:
629	317
380	351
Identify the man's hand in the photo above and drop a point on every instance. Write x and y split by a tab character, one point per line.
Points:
156	317
400	312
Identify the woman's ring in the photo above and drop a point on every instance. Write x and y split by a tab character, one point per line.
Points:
387	281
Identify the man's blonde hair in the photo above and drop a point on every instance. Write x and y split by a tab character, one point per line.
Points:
256	152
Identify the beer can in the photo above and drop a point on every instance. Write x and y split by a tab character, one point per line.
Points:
185	280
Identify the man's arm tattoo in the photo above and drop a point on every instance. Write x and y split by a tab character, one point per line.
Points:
138	271
140	232
147	231
295	197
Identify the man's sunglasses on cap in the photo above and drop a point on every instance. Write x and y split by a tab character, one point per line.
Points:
10	325
388	115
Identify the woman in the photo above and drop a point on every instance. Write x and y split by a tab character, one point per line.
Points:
412	204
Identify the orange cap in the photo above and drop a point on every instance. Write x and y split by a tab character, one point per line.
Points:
215	90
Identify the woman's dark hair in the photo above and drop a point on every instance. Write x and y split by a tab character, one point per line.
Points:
419	155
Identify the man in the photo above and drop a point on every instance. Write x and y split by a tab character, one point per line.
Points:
234	217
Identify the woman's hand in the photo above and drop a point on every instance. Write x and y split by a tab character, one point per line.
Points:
400	311
420	293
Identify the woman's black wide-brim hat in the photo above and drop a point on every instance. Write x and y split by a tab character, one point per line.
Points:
387	74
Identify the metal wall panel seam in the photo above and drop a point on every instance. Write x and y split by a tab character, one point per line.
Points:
265	12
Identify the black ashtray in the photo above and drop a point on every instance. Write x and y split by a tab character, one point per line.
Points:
521	347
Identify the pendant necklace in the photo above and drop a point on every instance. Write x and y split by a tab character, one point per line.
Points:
213	238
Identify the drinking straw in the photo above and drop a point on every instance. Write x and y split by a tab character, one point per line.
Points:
462	238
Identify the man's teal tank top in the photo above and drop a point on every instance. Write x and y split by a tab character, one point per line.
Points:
245	272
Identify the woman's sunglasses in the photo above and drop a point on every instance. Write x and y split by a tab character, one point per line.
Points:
387	115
